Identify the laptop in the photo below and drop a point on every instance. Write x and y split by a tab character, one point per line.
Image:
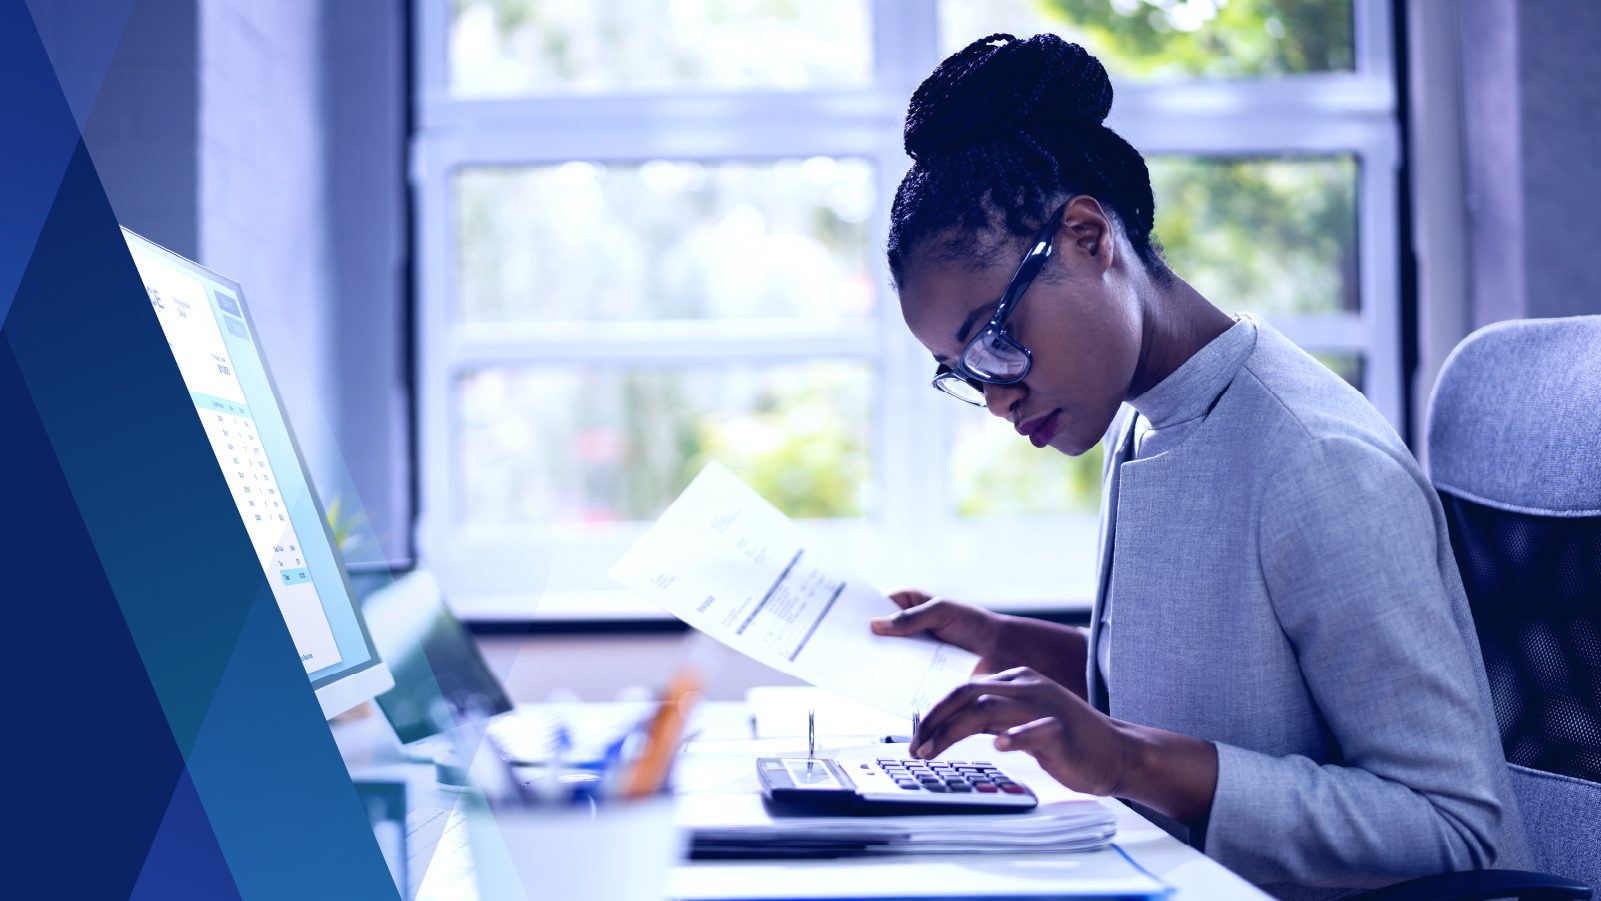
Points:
435	662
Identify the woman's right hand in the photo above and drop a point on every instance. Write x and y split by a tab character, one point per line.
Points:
970	628
1002	642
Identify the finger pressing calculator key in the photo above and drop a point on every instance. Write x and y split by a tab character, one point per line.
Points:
893	785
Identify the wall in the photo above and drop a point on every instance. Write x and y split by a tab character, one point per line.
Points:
261	210
303	201
1493	156
1438	185
267	141
1559	75
130	73
364	145
1506	167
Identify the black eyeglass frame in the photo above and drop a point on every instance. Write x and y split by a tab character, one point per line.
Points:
995	329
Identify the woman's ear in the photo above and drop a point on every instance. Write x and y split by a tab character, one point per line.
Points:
1085	232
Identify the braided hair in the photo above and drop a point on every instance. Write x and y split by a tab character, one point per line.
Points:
1003	130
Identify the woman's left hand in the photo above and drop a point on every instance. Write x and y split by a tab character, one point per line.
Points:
1074	742
1080	747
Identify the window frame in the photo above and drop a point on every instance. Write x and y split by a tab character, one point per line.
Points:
557	571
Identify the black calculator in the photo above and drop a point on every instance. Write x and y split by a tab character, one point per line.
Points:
890	785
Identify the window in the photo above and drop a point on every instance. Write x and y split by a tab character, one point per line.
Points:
651	236
511	48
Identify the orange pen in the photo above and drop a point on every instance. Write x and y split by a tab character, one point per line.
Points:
649	771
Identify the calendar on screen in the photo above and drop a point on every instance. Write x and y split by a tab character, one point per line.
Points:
194	318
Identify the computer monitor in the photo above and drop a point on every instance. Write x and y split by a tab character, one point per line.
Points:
432	656
212	337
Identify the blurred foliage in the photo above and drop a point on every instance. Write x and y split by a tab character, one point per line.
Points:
666	239
1348	366
1223	38
682	240
996	472
515	47
346	520
793	440
602	444
1271	235
795	448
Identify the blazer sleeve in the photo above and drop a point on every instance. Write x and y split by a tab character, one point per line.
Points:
1352	562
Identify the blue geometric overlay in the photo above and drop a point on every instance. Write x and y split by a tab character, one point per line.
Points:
40	135
184	861
164	738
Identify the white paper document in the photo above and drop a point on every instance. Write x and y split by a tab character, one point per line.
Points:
730	564
1107	873
734	822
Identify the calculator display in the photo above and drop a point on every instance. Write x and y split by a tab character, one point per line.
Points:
812	774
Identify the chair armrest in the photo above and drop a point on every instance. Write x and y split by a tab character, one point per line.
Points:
1483	885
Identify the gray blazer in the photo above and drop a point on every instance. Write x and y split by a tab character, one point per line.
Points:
1283	586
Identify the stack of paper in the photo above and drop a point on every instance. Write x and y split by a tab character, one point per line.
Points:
1097	874
1065	826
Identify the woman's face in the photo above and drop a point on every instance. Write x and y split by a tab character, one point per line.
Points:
1080	319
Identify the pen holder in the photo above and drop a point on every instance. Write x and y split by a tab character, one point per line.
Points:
613	851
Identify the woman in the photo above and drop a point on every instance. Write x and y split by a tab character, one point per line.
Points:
1281	657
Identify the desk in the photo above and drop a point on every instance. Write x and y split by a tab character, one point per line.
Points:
720	758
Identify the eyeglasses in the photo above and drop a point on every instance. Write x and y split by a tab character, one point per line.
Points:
994	357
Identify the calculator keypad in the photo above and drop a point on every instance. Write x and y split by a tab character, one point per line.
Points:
946	777
934	786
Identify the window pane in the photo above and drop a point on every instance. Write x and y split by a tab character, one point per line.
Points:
996	472
1348	366
665	240
1274	236
600	444
502	48
1163	39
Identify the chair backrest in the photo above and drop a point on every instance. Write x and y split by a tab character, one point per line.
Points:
1514	441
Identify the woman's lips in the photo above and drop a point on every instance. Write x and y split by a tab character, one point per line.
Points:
1041	429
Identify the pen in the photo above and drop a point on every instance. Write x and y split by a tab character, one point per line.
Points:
615	764
649	772
811	733
551	786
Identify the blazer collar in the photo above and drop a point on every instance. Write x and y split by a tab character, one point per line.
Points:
1188	391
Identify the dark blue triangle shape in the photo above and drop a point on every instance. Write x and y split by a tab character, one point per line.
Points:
78	703
40	134
131	445
185	860
80	37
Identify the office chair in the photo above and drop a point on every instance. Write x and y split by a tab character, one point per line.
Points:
1515	452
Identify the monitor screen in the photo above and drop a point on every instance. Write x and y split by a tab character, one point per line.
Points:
431	655
211	334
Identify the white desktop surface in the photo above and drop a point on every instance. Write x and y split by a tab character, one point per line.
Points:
720	759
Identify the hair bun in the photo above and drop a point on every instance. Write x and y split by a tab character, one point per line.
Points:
1000	84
